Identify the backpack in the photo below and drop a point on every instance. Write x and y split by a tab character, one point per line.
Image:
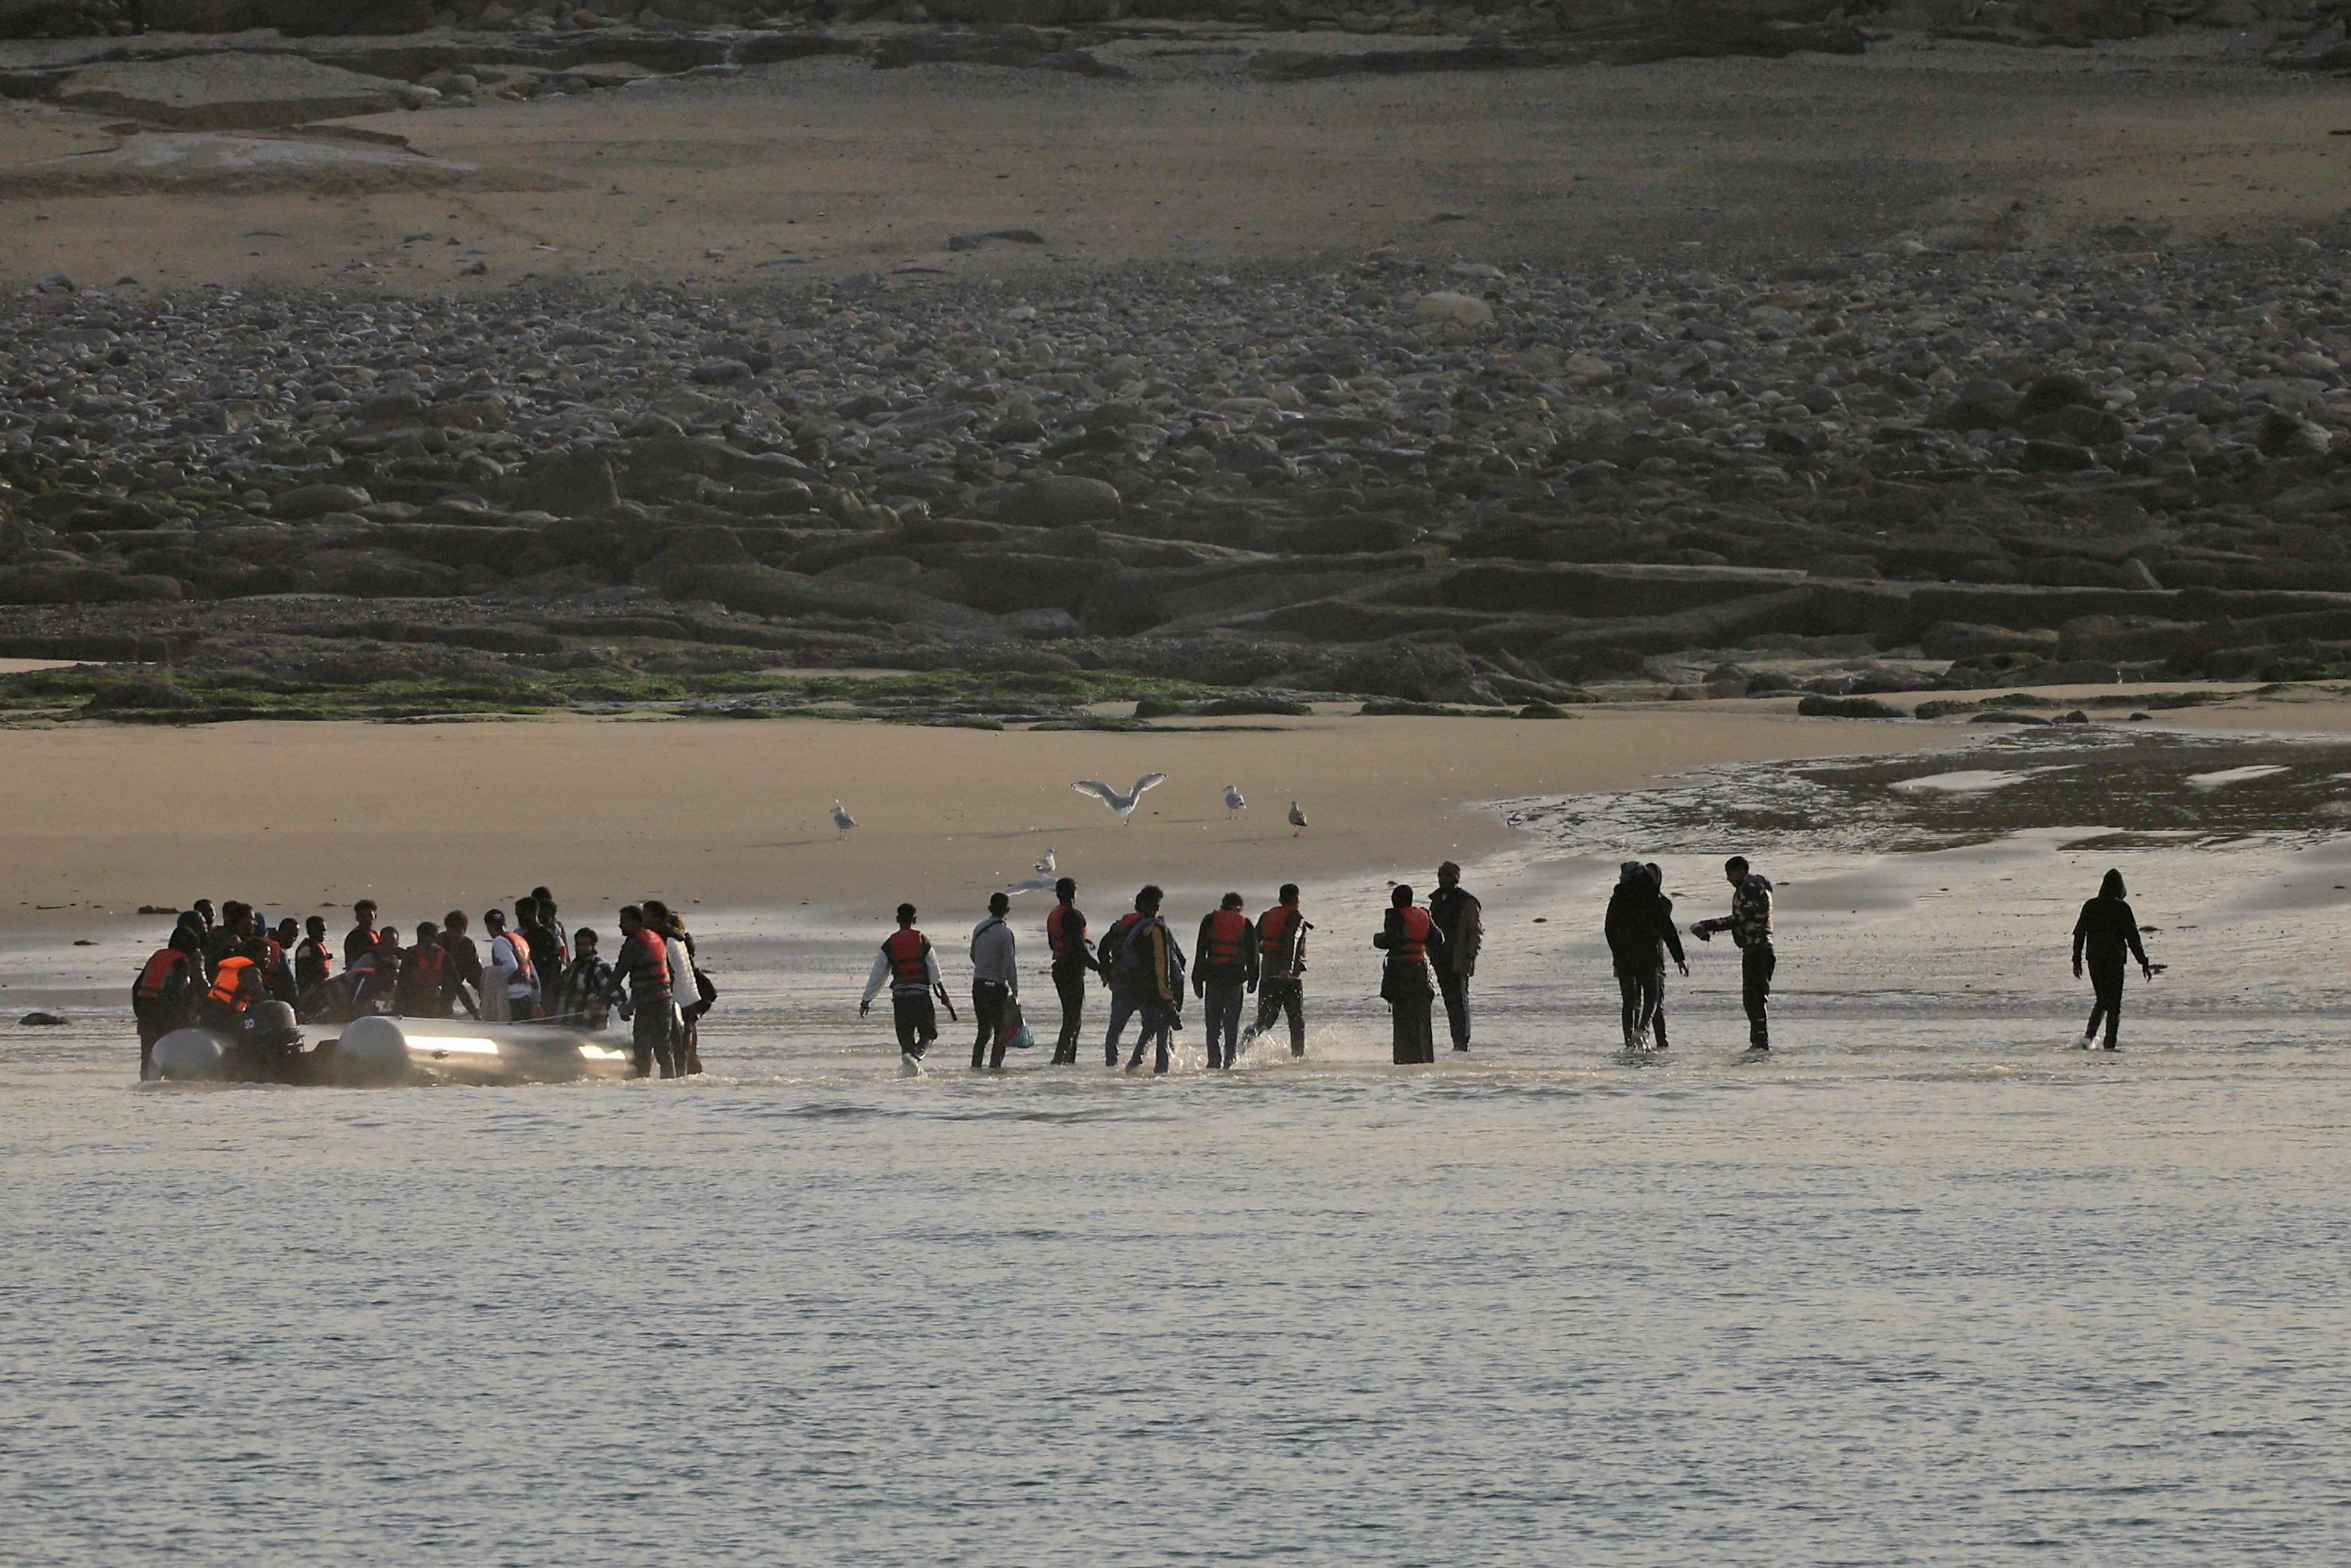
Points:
1130	956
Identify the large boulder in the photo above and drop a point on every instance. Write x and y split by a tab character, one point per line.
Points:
228	91
41	19
1060	501
82	585
574	484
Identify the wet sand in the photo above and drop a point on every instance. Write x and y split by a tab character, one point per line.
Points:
735	813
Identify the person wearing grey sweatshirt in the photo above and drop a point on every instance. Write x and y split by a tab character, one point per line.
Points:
995	980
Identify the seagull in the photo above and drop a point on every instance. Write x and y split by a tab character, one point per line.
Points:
1034	885
1234	802
1122	804
1297	819
841	820
1046	863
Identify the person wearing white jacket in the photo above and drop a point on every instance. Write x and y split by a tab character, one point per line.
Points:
683	991
995	981
512	989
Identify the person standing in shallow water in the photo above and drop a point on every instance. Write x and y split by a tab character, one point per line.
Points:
1073	959
1750	924
2107	932
1462	919
1412	941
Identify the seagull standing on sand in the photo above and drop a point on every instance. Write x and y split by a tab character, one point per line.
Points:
1121	803
841	820
1297	820
1046	863
1234	802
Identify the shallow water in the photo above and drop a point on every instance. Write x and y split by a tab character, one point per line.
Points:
1925	1287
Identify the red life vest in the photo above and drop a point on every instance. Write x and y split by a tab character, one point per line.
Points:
655	974
158	970
1412	941
907	950
428	968
1227	932
1274	928
229	980
1057	935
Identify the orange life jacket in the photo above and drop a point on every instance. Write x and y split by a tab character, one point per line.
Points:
519	946
428	968
907	949
159	970
1274	928
1228	933
228	982
1057	935
1412	943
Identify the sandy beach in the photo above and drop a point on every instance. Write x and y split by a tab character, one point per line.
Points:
421	817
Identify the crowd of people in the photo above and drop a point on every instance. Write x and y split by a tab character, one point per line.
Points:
1431	952
219	967
216	969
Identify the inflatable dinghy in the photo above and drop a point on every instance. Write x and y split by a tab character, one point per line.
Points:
373	1052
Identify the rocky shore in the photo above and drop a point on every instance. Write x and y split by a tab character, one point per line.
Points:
1459	483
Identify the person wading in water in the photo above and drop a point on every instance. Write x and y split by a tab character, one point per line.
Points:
2107	932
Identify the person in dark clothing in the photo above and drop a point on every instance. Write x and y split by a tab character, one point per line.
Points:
314	961
2107	932
547	954
228	938
428	981
465	961
1073	958
1671	941
361	940
1750	924
644	967
1224	969
1639	921
1413	942
1462	919
1125	990
1281	970
1153	961
164	995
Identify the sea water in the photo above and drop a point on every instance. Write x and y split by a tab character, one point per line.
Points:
1927	1286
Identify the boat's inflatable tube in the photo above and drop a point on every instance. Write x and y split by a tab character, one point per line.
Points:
382	1052
192	1056
461	1050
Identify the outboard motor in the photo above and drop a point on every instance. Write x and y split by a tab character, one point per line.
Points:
268	1043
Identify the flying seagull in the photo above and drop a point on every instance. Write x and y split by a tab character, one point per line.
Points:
1122	805
1297	819
1046	863
1234	802
841	820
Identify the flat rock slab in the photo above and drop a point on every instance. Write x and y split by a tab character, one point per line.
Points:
228	92
202	161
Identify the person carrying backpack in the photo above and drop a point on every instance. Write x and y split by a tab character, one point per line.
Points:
1153	962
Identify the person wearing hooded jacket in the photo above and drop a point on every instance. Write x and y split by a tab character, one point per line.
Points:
2106	932
1640	928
